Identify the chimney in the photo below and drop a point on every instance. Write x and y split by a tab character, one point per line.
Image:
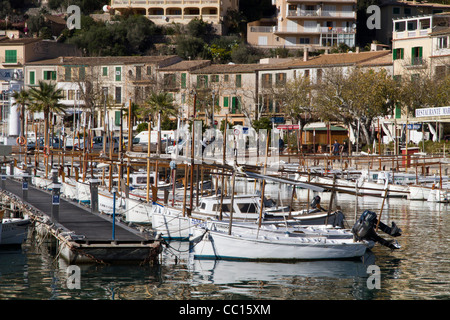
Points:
357	49
327	51
305	54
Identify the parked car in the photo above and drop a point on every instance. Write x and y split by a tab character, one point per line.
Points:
97	144
56	144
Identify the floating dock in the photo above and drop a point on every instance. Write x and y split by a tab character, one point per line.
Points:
82	236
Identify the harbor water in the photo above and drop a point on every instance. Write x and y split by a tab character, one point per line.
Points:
419	270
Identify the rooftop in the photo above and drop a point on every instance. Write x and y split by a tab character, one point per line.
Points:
109	60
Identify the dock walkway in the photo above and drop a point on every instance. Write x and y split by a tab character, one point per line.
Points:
93	231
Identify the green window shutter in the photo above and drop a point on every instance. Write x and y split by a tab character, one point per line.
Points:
82	73
117	118
420	52
67	74
394	54
11	56
118	73
398	112
225	102
32	77
53	75
233	105
238	81
183	80
402	51
104	71
46	76
413	53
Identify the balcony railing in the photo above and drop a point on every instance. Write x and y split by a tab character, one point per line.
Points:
320	13
161	2
410	33
300	29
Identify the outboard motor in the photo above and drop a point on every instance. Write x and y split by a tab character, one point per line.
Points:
364	229
315	203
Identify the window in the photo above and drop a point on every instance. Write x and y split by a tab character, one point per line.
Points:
202	81
32	77
398	53
304	40
247	207
319	75
118	96
118	122
226	78
225	102
416	56
71	95
170	80
183	80
81	73
10	56
104	71
267	80
138	72
280	79
397	78
214	78
118	73
49	75
235	105
442	42
67	73
396	10
407	11
149	70
238	81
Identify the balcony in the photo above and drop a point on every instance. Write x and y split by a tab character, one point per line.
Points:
131	3
320	14
300	29
405	34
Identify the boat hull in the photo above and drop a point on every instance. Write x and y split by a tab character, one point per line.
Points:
217	245
13	231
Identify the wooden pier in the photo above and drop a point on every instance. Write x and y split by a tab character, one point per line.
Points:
82	236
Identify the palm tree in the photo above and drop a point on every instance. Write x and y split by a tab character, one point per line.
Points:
22	98
45	98
159	103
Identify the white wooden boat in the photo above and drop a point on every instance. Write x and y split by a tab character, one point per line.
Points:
69	189
83	192
137	211
439	194
13	231
172	224
106	202
263	245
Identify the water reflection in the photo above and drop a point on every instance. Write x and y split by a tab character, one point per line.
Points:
419	270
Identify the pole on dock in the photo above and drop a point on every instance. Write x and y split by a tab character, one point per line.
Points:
3	177
114	214
25	185
94	194
56	192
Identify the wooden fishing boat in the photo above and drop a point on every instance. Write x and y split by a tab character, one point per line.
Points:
250	243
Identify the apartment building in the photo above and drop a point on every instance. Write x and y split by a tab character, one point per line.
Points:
226	90
394	9
86	81
177	81
178	11
420	44
306	23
